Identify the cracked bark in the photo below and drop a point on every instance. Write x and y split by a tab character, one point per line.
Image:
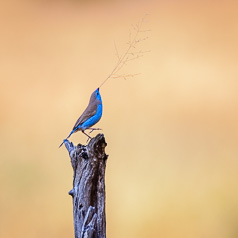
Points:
88	193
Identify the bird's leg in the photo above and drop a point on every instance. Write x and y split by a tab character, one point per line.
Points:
89	137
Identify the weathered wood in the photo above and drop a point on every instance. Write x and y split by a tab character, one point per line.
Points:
88	193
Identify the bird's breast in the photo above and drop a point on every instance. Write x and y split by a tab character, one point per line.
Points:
93	119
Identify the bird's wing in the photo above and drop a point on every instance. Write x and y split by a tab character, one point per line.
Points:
89	112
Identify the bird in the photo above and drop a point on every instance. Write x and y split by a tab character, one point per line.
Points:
91	115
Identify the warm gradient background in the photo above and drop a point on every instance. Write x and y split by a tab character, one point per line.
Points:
172	131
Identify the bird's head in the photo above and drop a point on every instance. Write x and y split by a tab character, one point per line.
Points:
96	96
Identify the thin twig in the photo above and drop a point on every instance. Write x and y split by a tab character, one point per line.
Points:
124	58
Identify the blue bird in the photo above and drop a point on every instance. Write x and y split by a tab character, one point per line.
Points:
90	116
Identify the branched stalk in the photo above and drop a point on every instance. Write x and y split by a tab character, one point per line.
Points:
129	54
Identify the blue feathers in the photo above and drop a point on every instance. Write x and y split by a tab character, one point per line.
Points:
93	119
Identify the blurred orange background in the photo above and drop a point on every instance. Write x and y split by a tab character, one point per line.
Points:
171	131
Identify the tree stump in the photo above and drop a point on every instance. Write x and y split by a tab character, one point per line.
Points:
88	193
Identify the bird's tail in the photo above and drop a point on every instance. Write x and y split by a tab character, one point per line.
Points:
67	137
62	143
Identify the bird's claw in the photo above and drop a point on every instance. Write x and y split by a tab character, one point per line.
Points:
93	129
